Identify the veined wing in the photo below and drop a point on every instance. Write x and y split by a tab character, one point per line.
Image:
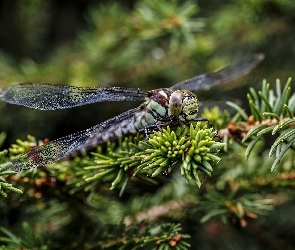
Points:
65	146
45	96
209	80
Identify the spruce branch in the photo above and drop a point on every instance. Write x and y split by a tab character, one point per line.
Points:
272	113
165	19
219	119
253	175
156	212
21	146
233	205
191	149
29	239
5	172
145	235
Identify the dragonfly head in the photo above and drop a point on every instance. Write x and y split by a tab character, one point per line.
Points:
184	104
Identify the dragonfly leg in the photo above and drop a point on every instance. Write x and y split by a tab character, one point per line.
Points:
162	122
149	130
158	126
199	119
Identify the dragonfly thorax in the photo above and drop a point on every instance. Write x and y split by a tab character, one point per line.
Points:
183	104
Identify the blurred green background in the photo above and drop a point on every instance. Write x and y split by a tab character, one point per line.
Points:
146	44
142	44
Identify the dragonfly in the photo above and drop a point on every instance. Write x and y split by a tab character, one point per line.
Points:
161	107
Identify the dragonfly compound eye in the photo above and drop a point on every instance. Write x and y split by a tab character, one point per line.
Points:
190	106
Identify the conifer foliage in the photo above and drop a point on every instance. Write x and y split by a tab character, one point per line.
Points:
226	184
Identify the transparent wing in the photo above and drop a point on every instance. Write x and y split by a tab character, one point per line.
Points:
209	80
65	146
45	96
